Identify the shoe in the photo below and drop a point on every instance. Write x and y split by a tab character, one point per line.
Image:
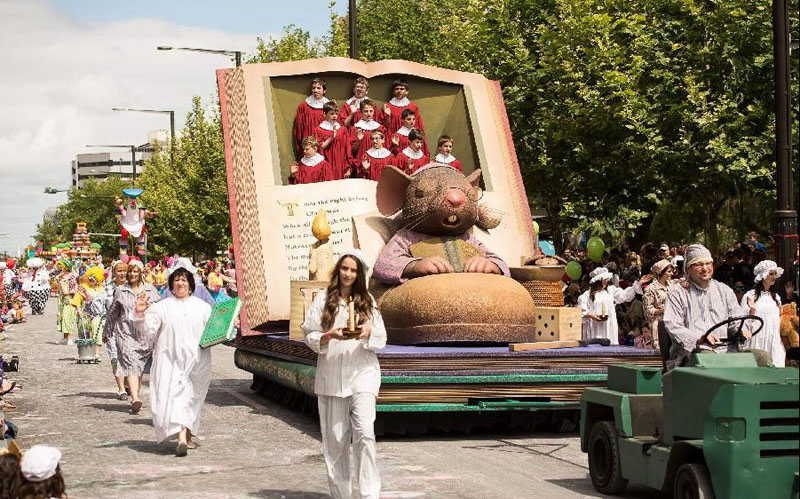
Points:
136	406
13	384
122	396
7	406
181	450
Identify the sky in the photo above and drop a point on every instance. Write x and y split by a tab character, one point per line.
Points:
66	63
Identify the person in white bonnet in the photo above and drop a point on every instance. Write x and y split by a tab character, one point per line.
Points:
41	474
702	302
598	304
763	301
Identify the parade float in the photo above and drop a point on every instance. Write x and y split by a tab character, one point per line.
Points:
498	346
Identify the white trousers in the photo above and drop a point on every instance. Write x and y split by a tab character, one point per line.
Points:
342	419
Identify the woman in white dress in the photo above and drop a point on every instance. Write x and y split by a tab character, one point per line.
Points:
348	375
598	304
764	302
181	372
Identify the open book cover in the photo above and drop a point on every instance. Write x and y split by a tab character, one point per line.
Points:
219	327
271	220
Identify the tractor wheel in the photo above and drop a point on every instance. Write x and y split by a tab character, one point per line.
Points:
692	481
604	463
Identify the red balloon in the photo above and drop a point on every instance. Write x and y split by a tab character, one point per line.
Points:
10	263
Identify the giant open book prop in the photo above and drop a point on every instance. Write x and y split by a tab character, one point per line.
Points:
271	221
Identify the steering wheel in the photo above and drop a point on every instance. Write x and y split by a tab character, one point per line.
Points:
737	336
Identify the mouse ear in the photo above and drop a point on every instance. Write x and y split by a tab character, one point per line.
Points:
391	194
475	178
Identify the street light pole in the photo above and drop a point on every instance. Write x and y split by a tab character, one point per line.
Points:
171	126
237	54
785	215
351	11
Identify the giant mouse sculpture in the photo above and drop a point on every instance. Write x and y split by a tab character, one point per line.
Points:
452	288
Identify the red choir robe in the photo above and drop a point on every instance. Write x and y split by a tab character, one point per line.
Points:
394	121
418	160
310	170
449	160
378	160
402	134
309	115
344	112
357	149
336	154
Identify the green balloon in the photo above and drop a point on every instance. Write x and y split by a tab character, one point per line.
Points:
574	270
535	228
595	248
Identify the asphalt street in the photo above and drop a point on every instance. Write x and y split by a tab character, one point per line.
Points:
250	446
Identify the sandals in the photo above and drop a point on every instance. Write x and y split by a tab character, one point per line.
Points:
7	406
136	406
13	385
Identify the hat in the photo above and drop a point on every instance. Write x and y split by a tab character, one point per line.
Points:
599	274
676	260
184	263
664	247
763	269
34	263
696	253
359	255
658	268
39	463
135	262
65	264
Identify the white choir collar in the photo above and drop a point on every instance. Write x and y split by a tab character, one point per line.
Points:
404	131
378	153
313	160
355	100
400	102
326	125
316	103
367	125
440	158
411	154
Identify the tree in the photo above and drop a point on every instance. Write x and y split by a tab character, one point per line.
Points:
189	192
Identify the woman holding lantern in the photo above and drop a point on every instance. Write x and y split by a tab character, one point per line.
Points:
344	326
598	304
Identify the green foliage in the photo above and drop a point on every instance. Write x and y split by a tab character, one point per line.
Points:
616	106
187	188
93	203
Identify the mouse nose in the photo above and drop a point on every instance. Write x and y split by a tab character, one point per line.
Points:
455	197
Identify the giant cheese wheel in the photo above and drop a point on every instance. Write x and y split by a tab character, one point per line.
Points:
458	308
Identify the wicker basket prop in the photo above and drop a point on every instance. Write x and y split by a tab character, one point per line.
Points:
541	276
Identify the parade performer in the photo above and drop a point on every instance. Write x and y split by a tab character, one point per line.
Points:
598	304
393	110
133	349
445	147
312	167
90	303
360	133
309	114
37	285
68	315
333	141
376	158
118	275
132	220
763	301
216	283
351	110
181	372
348	375
412	158
9	278
655	296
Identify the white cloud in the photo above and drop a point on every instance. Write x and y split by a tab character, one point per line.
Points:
61	77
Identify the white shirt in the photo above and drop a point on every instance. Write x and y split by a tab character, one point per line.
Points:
412	154
316	103
367	125
608	299
400	102
348	366
313	160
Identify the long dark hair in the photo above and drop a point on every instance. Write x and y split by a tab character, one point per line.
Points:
772	291
360	295
595	287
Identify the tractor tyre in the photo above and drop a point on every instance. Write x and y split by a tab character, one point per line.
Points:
692	481
605	468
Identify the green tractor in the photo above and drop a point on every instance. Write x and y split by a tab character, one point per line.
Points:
722	428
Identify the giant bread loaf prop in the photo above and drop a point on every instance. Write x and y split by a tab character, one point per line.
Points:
450	288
